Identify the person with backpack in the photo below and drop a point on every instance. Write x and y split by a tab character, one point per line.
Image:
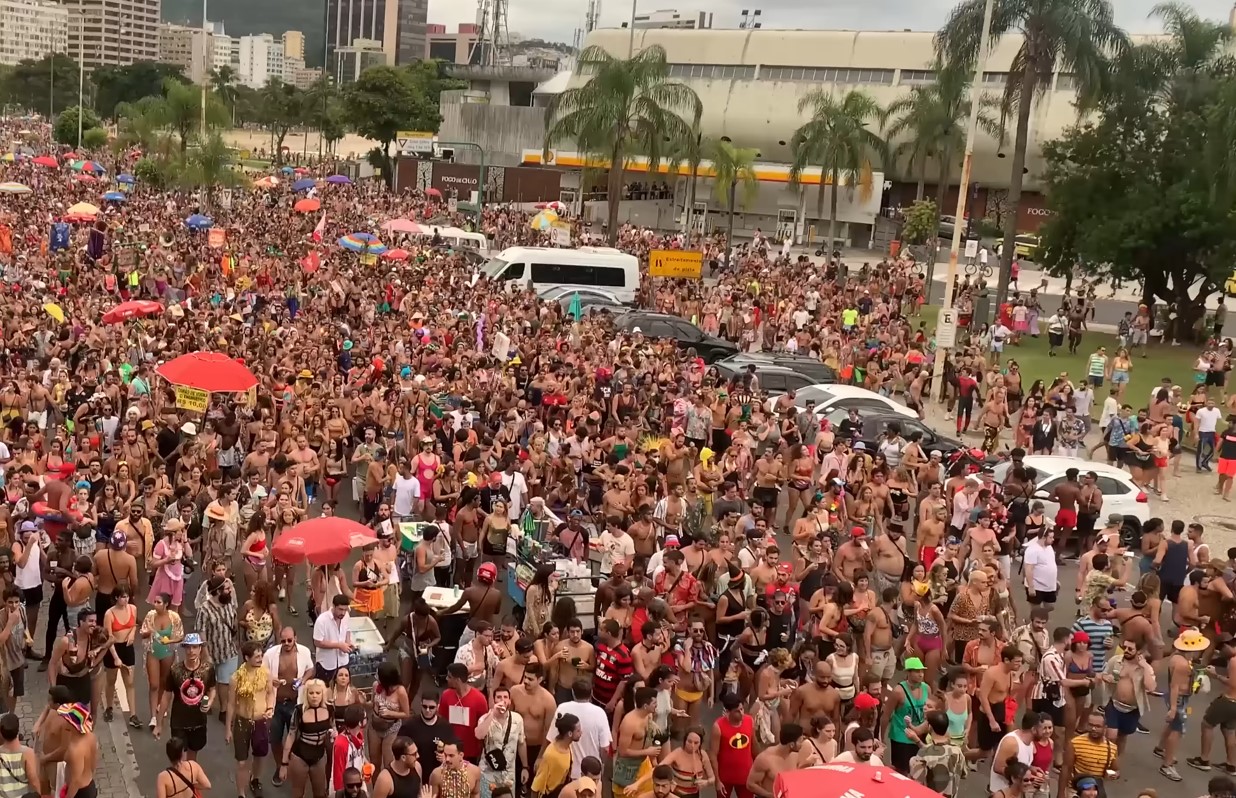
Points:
939	764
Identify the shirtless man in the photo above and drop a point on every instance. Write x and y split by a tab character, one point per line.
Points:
1066	494
643	533
536	706
1136	626
816	698
510	672
65	734
629	747
467	531
889	553
574	659
1089	507
56	491
853	555
931	533
114	567
774	760
482	599
765	571
1187	608
878	638
993	690
697	661
38	398
646	654
674	454
1127	671
605	596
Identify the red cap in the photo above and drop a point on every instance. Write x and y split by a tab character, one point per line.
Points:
488	572
1081	637
865	701
495	478
785	568
858	532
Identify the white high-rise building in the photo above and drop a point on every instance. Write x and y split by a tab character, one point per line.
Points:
113	32
32	29
261	58
191	49
223	51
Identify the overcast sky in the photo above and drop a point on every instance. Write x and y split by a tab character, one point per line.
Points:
557	21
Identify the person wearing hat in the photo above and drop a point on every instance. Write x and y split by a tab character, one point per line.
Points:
1183	682
114	566
1090	759
864	742
187	697
908	700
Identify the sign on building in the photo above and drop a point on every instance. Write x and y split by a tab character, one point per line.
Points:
414	142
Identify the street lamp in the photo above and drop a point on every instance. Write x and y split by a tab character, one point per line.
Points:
206	58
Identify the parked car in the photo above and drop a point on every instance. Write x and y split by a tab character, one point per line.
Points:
831	397
1026	246
875	424
774	380
1120	493
566	293
817	372
686	334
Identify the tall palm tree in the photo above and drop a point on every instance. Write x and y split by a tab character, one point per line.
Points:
733	181
223	83
627	106
836	138
184	110
210	165
1073	36
688	152
931	122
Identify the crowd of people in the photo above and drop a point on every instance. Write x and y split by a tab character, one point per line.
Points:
839	602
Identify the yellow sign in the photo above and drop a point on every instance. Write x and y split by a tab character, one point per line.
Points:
676	263
193	399
415	142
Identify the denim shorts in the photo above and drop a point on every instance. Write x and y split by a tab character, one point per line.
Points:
226	669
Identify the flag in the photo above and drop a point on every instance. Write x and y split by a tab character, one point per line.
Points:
320	230
311	262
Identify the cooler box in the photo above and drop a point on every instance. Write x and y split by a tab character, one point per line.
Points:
369	652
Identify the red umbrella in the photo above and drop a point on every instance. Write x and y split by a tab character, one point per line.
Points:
307	205
433	192
322	541
396	254
132	310
841	779
208	371
85	178
47	160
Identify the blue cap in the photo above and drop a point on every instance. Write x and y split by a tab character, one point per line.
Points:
405	372
119	539
1087	783
192	639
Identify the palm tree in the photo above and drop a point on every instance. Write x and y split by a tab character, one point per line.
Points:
688	152
626	107
223	83
1072	36
210	165
931	121
836	138
733	181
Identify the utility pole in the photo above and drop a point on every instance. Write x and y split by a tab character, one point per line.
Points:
207	59
963	194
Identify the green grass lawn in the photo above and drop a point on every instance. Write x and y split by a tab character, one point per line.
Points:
1174	362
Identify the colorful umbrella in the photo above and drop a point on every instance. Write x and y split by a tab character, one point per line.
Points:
406	226
555	206
208	371
396	254
270	181
339	179
82	209
47	160
134	309
88	166
307	205
14	188
114	196
304	184
55	311
287	170
433	192
9	157
128	179
322	541
367	243
300	170
199	222
85	178
544	220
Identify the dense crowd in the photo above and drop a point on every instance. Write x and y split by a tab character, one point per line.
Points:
840	602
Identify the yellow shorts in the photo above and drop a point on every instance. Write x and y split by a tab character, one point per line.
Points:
688	696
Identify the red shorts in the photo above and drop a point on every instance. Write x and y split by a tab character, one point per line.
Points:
928	556
1227	468
1066	519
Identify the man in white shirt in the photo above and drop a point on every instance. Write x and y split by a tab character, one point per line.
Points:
594	726
515	484
407	492
1041	575
332	639
1207	425
616	545
864	749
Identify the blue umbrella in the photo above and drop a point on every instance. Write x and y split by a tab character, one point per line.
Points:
114	196
287	170
126	179
304	184
199	222
339	179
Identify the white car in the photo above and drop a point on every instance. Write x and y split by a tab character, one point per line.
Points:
831	397
566	292
1120	493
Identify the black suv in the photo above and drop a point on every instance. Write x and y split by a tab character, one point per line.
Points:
875	424
812	368
688	336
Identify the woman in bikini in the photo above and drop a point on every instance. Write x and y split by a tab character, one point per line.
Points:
926	633
120	623
799	481
308	740
183	778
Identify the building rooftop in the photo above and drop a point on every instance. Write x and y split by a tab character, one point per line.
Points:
555	85
500	73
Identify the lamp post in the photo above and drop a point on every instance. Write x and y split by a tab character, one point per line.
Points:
81	82
963	194
631	32
207	59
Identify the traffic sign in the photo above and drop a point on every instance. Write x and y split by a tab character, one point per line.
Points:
972	245
682	263
946	329
414	142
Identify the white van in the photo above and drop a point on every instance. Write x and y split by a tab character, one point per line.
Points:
458	238
592	267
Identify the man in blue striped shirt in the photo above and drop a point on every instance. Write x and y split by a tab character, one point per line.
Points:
1099	628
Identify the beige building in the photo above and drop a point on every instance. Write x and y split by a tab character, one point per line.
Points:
453	48
113	32
294	45
32	29
191	49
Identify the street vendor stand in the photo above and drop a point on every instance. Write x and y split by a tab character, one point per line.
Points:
530	547
368	653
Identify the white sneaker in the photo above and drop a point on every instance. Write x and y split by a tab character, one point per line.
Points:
283	593
948	416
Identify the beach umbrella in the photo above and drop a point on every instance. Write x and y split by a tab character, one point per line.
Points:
88	166
308	205
14	188
85	178
555	206
82	209
270	181
396	254
433	192
9	157
208	371
134	309
47	160
339	179
544	220
114	196
322	541
406	226
127	179
304	184
199	222
300	170
287	170
55	311
367	243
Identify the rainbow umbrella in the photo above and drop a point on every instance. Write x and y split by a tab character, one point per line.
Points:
87	166
366	243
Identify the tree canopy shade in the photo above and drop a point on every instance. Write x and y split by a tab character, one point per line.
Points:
627	107
114	85
734	180
385	100
31	85
65	129
1070	36
836	138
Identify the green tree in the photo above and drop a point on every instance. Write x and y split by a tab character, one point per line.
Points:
184	111
687	152
114	85
734	181
922	220
1073	36
46	86
836	138
283	108
626	107
385	100
141	124
223	84
930	122
95	138
211	165
66	126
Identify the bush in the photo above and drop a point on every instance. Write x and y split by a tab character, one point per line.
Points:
94	139
66	125
921	220
155	173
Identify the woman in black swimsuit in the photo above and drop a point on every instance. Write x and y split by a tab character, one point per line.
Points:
183	777
308	740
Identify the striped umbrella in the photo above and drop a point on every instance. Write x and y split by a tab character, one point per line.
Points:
366	243
14	188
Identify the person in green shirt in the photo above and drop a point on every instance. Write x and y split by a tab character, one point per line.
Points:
908	700
849	318
1096	367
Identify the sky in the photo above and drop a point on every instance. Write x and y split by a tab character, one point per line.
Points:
557	21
